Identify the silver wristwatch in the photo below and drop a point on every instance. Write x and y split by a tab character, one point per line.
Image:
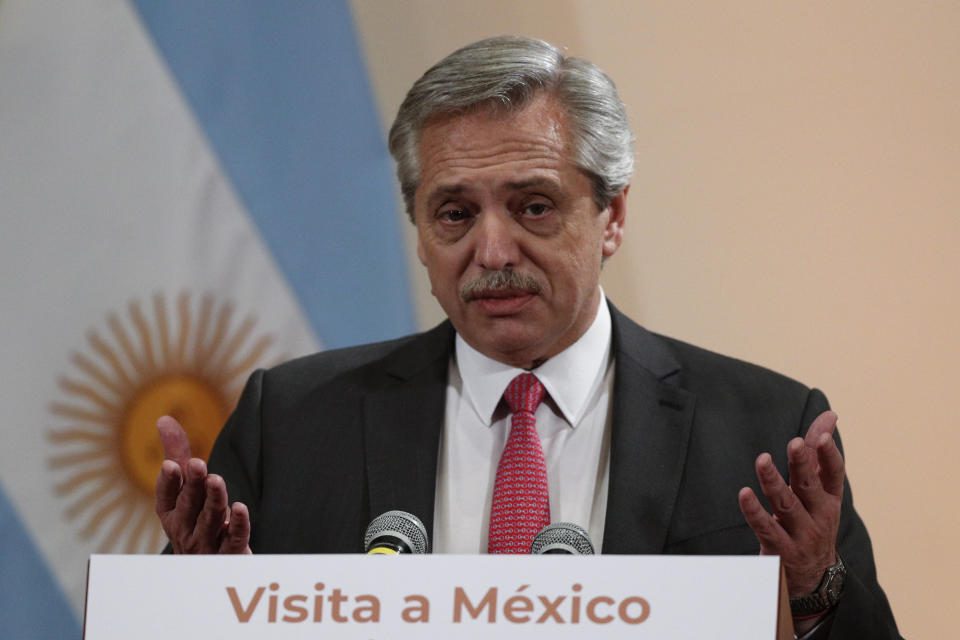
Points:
825	596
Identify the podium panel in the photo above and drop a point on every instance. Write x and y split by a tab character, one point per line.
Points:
442	596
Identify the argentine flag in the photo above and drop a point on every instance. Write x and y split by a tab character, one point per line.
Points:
189	190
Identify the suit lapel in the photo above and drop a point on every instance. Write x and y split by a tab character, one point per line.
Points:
403	419
650	434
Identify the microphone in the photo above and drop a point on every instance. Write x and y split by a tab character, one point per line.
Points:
562	537
395	532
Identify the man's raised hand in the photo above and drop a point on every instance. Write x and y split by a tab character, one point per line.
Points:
806	513
192	504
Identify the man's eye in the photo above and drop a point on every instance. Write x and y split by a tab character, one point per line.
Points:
454	215
536	209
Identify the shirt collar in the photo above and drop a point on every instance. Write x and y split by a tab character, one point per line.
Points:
570	377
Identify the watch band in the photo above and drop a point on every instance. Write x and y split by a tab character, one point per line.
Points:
825	596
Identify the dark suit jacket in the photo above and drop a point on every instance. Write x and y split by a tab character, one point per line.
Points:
319	446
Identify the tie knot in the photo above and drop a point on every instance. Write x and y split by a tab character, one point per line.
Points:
524	393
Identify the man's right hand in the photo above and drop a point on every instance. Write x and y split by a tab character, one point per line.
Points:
192	504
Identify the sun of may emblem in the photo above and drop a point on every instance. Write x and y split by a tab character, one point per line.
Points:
108	454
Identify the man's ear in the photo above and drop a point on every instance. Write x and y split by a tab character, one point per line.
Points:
616	217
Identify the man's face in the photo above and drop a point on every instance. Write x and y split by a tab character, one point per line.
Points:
509	232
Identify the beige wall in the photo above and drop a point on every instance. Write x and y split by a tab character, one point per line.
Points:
796	203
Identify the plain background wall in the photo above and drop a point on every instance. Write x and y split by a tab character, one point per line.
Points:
796	203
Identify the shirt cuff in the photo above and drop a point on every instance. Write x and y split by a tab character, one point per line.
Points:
809	634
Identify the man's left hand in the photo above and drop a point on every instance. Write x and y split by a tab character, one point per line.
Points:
802	529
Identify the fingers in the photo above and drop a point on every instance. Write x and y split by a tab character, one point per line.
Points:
202	520
829	461
168	487
176	446
803	526
180	500
212	518
180	493
831	465
804	471
788	508
236	538
804	538
774	531
826	422
770	534
193	493
193	505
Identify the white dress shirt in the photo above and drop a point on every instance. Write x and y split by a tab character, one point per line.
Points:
574	426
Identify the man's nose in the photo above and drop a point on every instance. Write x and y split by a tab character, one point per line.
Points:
496	241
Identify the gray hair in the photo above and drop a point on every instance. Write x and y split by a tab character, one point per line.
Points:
504	74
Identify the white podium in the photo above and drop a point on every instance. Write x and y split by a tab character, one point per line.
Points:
435	596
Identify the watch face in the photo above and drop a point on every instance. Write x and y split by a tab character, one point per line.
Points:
834	584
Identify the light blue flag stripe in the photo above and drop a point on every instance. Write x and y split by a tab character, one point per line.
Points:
32	605
281	91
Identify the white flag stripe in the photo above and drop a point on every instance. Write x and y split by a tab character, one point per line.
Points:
110	193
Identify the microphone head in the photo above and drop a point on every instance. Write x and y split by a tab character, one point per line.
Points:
562	537
398	526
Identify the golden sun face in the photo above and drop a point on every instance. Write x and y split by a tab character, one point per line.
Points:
110	451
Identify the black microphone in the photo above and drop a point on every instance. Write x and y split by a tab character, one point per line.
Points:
562	537
396	532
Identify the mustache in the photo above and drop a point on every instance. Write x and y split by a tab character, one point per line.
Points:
500	280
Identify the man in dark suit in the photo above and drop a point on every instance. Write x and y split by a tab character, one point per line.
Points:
515	162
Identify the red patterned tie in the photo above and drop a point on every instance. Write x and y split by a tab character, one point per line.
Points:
521	498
